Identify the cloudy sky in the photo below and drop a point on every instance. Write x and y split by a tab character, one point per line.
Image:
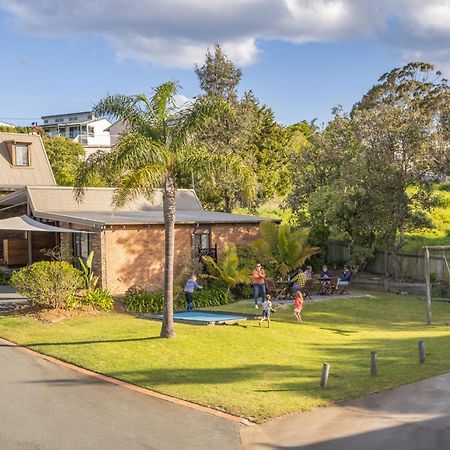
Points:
300	57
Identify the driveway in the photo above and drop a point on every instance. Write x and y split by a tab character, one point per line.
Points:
413	417
9	299
46	406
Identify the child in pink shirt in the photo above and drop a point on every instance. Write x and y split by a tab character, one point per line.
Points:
298	305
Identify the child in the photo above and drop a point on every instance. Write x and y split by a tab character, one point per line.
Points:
267	309
298	305
189	288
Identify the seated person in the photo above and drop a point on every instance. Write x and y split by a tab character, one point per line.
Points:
308	273
324	275
346	277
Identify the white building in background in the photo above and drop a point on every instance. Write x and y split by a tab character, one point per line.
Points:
82	127
5	124
116	130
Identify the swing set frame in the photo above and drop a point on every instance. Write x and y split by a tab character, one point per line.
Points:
427	249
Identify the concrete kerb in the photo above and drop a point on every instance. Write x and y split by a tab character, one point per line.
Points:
129	386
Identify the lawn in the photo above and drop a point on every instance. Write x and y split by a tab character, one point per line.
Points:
250	371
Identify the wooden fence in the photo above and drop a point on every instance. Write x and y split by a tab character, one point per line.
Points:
411	264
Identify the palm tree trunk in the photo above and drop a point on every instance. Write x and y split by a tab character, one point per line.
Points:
169	201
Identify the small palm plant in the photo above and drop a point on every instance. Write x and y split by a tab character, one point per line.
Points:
284	247
90	280
227	267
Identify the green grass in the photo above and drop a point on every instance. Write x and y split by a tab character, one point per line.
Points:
256	372
440	233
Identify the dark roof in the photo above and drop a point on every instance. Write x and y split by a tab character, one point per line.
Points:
97	208
98	219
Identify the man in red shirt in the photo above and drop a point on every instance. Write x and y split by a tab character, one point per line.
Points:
259	283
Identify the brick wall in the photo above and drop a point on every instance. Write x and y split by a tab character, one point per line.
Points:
135	255
125	256
237	233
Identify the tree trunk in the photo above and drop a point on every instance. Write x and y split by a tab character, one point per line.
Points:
169	199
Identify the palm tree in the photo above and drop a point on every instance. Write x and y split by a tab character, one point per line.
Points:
284	247
158	149
227	267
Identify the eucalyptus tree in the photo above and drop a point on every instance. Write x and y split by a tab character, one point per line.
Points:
159	148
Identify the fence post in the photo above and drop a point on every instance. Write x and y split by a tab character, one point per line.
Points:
324	377
421	351
428	283
373	363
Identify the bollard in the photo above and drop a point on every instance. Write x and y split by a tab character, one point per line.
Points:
421	351
374	363
324	377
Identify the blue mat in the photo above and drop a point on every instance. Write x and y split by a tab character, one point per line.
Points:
205	317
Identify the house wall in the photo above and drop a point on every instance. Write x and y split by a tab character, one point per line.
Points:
5	234
135	255
237	233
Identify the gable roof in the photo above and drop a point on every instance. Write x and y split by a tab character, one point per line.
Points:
38	173
97	209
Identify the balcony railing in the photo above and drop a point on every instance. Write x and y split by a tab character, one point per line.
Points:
212	252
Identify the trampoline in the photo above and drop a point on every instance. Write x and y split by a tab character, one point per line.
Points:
204	318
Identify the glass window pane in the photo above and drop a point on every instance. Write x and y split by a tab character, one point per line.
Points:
21	155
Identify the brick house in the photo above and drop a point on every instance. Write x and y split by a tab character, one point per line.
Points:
128	242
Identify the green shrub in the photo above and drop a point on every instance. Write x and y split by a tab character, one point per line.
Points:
98	299
242	291
5	277
212	297
51	284
137	299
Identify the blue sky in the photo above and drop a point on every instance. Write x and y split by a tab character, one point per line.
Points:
300	57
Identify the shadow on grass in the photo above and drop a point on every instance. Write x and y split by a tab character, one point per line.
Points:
106	341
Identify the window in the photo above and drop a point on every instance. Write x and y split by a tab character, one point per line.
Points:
91	131
45	121
73	118
81	247
21	155
201	242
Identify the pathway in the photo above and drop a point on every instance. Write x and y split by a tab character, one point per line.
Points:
9	299
413	417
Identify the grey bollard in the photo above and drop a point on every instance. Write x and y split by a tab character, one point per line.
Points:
421	352
374	363
324	377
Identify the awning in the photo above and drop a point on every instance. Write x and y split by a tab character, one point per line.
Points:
25	223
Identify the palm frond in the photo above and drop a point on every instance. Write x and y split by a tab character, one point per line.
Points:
194	119
162	100
135	150
100	163
123	107
140	181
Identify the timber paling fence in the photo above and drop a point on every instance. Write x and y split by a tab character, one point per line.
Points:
412	265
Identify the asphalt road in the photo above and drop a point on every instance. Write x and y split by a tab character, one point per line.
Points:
45	406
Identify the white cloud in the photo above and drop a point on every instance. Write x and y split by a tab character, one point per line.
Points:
178	32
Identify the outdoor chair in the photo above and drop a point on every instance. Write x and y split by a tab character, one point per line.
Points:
342	289
328	286
272	288
307	288
333	285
